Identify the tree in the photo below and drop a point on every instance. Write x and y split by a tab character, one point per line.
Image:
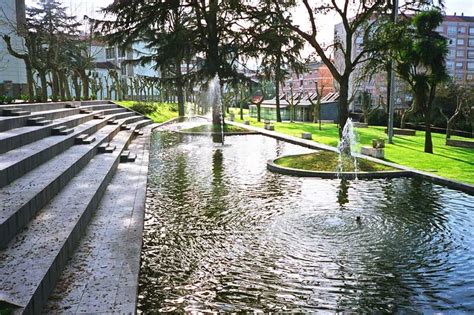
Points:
277	47
315	101
356	20
463	97
293	100
420	57
366	105
211	29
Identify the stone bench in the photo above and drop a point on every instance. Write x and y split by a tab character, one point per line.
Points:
246	122
403	132
307	136
460	143
360	125
374	152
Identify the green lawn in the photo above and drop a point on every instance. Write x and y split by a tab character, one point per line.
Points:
164	111
450	162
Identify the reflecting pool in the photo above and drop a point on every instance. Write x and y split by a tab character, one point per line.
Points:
224	234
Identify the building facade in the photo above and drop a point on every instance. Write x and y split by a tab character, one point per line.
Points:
459	31
316	77
12	70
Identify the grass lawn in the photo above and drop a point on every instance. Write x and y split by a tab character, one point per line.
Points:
164	111
450	162
327	161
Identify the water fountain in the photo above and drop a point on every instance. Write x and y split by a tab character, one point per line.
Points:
214	98
189	111
347	145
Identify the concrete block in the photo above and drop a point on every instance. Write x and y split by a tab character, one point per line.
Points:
403	132
374	152
307	135
246	122
360	125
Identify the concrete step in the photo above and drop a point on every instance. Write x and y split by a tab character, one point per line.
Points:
24	197
138	133
80	288
89	140
56	130
131	157
34	120
15	163
15	138
8	111
8	123
34	259
99	116
66	132
85	111
80	138
36	107
19	113
106	148
124	156
125	127
112	122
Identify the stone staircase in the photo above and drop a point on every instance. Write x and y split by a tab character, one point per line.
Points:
56	161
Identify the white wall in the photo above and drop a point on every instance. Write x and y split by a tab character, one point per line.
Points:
11	68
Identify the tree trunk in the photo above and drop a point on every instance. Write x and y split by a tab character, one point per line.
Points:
428	140
54	85
258	111
77	87
44	86
277	89
343	103
29	80
85	84
65	86
179	90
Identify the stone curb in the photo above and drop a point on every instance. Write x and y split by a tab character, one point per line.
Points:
467	188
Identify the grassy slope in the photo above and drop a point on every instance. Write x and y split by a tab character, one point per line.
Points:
164	112
450	162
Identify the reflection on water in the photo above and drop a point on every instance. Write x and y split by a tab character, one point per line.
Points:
224	234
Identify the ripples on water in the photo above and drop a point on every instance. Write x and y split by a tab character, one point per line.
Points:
224	234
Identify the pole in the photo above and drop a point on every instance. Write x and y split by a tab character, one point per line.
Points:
391	105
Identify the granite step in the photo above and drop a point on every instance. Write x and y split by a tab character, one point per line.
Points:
19	113
8	123
102	275
36	107
34	259
15	138
124	156
15	163
57	130
106	148
24	197
66	132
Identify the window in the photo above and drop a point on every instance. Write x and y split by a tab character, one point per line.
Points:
471	42
123	69
449	65
459	65
122	53
460	42
470	66
471	30
459	53
440	29
459	76
470	54
110	53
451	53
451	30
461	30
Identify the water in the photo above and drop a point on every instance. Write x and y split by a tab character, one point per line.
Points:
347	145
190	111
223	234
214	98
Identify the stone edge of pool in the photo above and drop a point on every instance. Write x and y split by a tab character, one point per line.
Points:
407	171
272	166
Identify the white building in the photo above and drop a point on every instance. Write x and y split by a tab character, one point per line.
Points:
12	70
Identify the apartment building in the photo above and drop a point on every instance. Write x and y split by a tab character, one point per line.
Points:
316	76
459	31
12	70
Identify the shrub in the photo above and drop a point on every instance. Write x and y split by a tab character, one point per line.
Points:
24	97
9	99
2	99
144	108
